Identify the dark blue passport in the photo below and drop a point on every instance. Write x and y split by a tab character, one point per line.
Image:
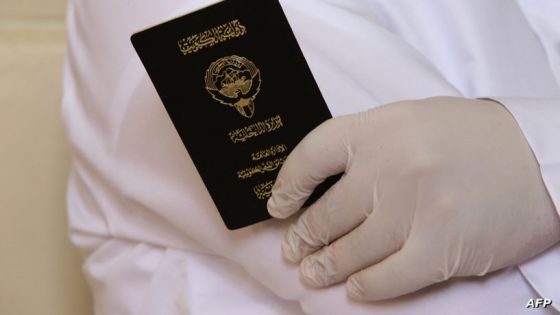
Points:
240	94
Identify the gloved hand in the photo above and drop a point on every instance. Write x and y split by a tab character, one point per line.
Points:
432	189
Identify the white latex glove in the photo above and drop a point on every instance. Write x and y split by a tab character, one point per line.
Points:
432	189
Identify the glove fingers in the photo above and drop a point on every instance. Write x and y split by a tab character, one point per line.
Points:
405	271
322	153
376	238
383	233
343	207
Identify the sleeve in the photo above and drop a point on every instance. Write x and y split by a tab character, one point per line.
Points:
539	119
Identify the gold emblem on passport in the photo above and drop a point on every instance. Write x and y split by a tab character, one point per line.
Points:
234	81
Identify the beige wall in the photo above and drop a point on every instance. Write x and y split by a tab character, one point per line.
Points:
32	9
39	270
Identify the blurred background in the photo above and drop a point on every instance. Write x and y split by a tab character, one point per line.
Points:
40	272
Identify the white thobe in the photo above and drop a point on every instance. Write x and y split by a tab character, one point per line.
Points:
152	239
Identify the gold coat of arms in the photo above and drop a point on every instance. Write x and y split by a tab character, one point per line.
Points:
234	81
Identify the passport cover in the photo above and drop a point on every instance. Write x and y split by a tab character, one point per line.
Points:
240	94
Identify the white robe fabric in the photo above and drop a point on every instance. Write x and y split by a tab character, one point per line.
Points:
151	237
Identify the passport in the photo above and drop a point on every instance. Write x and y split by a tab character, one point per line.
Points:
241	96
